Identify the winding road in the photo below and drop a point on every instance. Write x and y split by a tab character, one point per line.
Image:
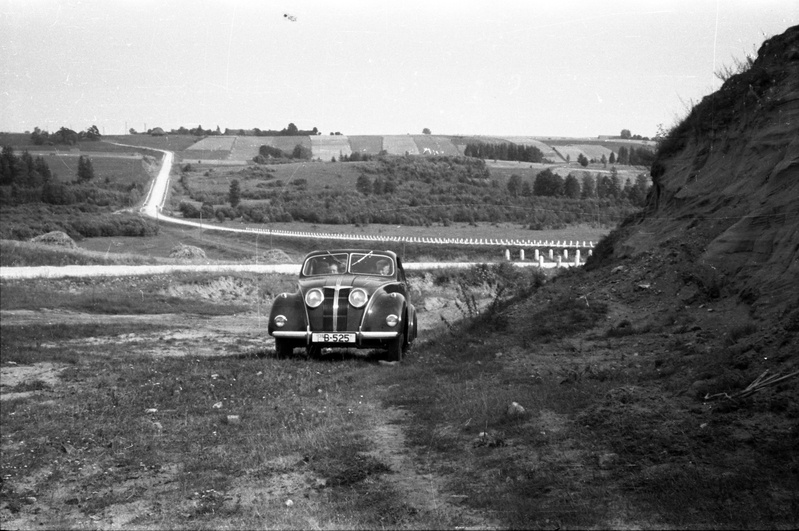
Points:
153	208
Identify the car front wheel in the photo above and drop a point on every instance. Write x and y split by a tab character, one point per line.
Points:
395	347
283	348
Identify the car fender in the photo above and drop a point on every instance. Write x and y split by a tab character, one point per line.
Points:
380	305
292	307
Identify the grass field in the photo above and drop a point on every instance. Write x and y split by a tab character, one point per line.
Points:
157	403
400	145
244	247
329	147
115	170
213	143
366	144
435	145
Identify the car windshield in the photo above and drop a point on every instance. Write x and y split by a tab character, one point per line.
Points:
372	264
360	264
325	264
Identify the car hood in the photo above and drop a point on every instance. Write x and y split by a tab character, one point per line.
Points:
368	283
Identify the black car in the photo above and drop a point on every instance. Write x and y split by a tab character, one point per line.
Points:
346	298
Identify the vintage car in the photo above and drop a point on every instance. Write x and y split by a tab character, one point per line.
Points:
347	299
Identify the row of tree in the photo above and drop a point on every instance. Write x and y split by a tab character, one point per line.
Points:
291	130
26	179
627	135
64	136
503	151
27	171
24	170
608	186
269	153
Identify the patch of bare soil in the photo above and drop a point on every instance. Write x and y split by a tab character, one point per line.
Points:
46	375
425	491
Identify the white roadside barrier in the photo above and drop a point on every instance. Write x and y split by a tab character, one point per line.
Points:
74	271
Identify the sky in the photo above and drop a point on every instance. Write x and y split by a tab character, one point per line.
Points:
573	68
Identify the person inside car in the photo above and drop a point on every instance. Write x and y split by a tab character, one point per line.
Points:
383	267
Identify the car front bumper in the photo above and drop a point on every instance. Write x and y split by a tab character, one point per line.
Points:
360	337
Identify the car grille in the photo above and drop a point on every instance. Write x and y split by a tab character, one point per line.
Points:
334	319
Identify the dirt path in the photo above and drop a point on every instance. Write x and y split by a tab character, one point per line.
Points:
422	490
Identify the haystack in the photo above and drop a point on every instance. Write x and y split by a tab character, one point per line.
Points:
187	252
56	237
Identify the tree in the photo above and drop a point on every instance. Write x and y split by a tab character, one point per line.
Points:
625	133
292	130
583	160
571	187
425	131
65	136
234	194
527	190
589	187
514	185
378	187
624	156
39	137
41	167
604	160
364	185
85	169
548	184
207	211
637	192
92	133
612	159
301	152
8	165
271	152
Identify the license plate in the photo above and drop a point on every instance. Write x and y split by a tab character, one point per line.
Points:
333	337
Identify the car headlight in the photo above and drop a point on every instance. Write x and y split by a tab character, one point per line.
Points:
358	297
392	320
280	321
314	298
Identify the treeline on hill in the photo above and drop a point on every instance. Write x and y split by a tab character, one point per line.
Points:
291	130
503	151
64	136
631	156
422	191
34	201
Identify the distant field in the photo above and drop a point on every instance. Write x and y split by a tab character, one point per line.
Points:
594	151
330	176
400	144
435	145
246	147
167	142
366	144
327	147
198	155
570	153
503	169
116	170
530	141
213	143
